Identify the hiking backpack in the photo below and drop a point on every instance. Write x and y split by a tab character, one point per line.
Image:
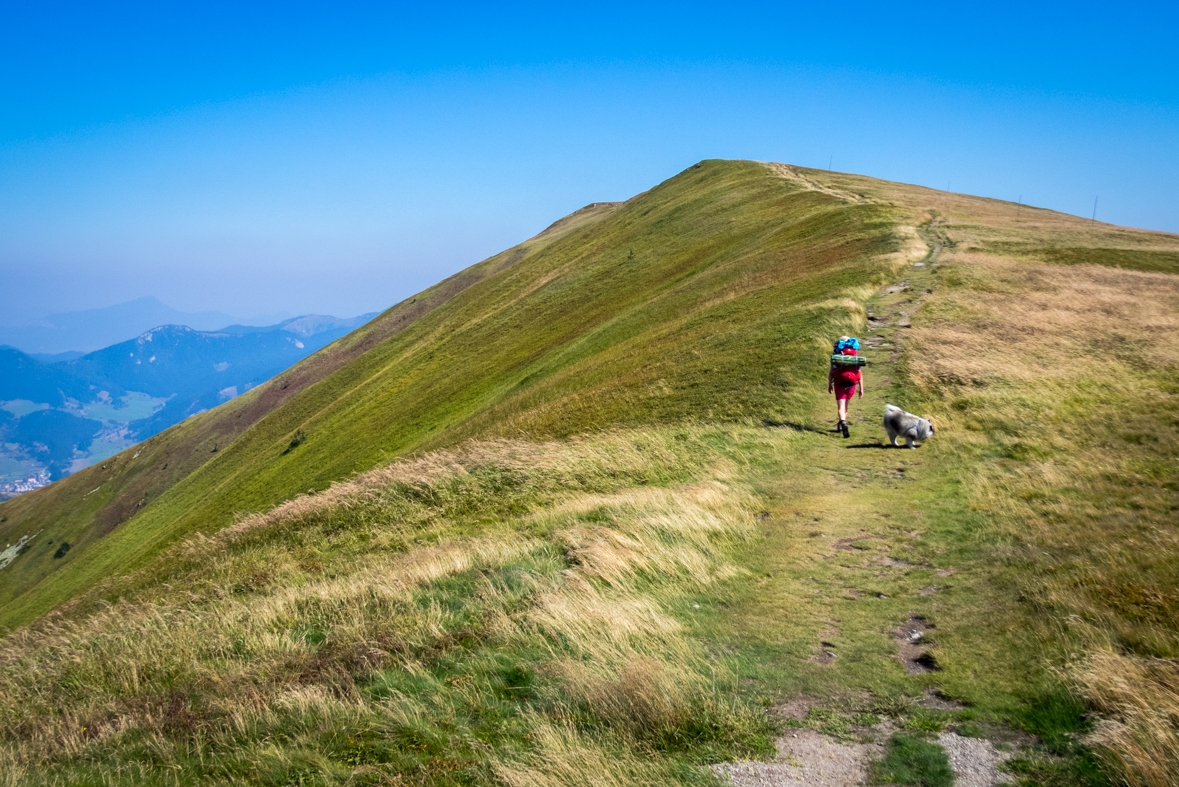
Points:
846	362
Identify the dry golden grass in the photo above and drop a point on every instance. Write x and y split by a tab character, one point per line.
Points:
1066	378
1139	699
228	663
568	459
563	757
1006	322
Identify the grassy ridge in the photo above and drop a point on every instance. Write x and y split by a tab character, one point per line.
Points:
615	607
687	300
88	505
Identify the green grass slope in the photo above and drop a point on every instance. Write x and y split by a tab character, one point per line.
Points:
83	508
684	301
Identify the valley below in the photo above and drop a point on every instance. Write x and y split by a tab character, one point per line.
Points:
70	414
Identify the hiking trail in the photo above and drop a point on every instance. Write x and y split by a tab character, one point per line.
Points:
844	533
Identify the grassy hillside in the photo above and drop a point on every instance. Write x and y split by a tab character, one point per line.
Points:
695	299
618	605
88	505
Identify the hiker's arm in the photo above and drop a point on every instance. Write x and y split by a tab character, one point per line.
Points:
831	379
861	385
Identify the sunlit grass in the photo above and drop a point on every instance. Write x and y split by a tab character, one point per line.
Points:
366	633
1060	381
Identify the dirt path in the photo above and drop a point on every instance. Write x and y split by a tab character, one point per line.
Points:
850	583
793	173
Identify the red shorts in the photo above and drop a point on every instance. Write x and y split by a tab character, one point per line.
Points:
844	393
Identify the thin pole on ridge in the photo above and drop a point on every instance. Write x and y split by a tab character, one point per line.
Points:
1094	209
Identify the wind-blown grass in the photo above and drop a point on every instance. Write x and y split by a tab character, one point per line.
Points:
363	634
527	611
1063	382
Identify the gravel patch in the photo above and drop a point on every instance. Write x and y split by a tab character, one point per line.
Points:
974	760
805	757
808	757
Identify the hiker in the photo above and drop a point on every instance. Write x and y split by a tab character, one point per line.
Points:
845	377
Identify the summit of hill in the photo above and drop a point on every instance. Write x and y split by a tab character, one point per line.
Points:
578	510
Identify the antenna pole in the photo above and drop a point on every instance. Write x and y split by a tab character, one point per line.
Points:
1094	209
829	160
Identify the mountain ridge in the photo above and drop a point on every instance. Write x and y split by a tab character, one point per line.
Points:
645	273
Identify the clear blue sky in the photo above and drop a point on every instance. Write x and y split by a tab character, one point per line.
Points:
335	158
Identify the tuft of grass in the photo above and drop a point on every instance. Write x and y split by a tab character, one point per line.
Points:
912	761
924	722
1139	701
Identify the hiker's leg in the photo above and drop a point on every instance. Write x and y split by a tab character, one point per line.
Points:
842	409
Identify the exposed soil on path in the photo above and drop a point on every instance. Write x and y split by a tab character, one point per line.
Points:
806	757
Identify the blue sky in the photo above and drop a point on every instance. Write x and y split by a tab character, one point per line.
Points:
337	158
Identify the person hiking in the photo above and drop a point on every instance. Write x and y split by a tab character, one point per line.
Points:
845	377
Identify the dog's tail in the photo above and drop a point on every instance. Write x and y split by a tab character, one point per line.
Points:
892	409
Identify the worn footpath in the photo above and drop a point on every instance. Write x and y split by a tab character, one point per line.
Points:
851	588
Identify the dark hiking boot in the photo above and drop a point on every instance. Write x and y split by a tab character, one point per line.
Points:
843	428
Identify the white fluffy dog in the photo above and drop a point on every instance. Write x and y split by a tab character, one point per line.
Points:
898	423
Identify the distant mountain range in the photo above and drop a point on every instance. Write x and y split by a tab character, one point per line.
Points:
62	416
92	329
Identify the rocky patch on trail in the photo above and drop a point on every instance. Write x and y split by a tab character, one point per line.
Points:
805	757
808	755
975	760
912	647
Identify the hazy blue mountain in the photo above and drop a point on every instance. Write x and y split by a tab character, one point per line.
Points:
65	415
68	355
52	437
307	325
93	329
23	377
198	370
